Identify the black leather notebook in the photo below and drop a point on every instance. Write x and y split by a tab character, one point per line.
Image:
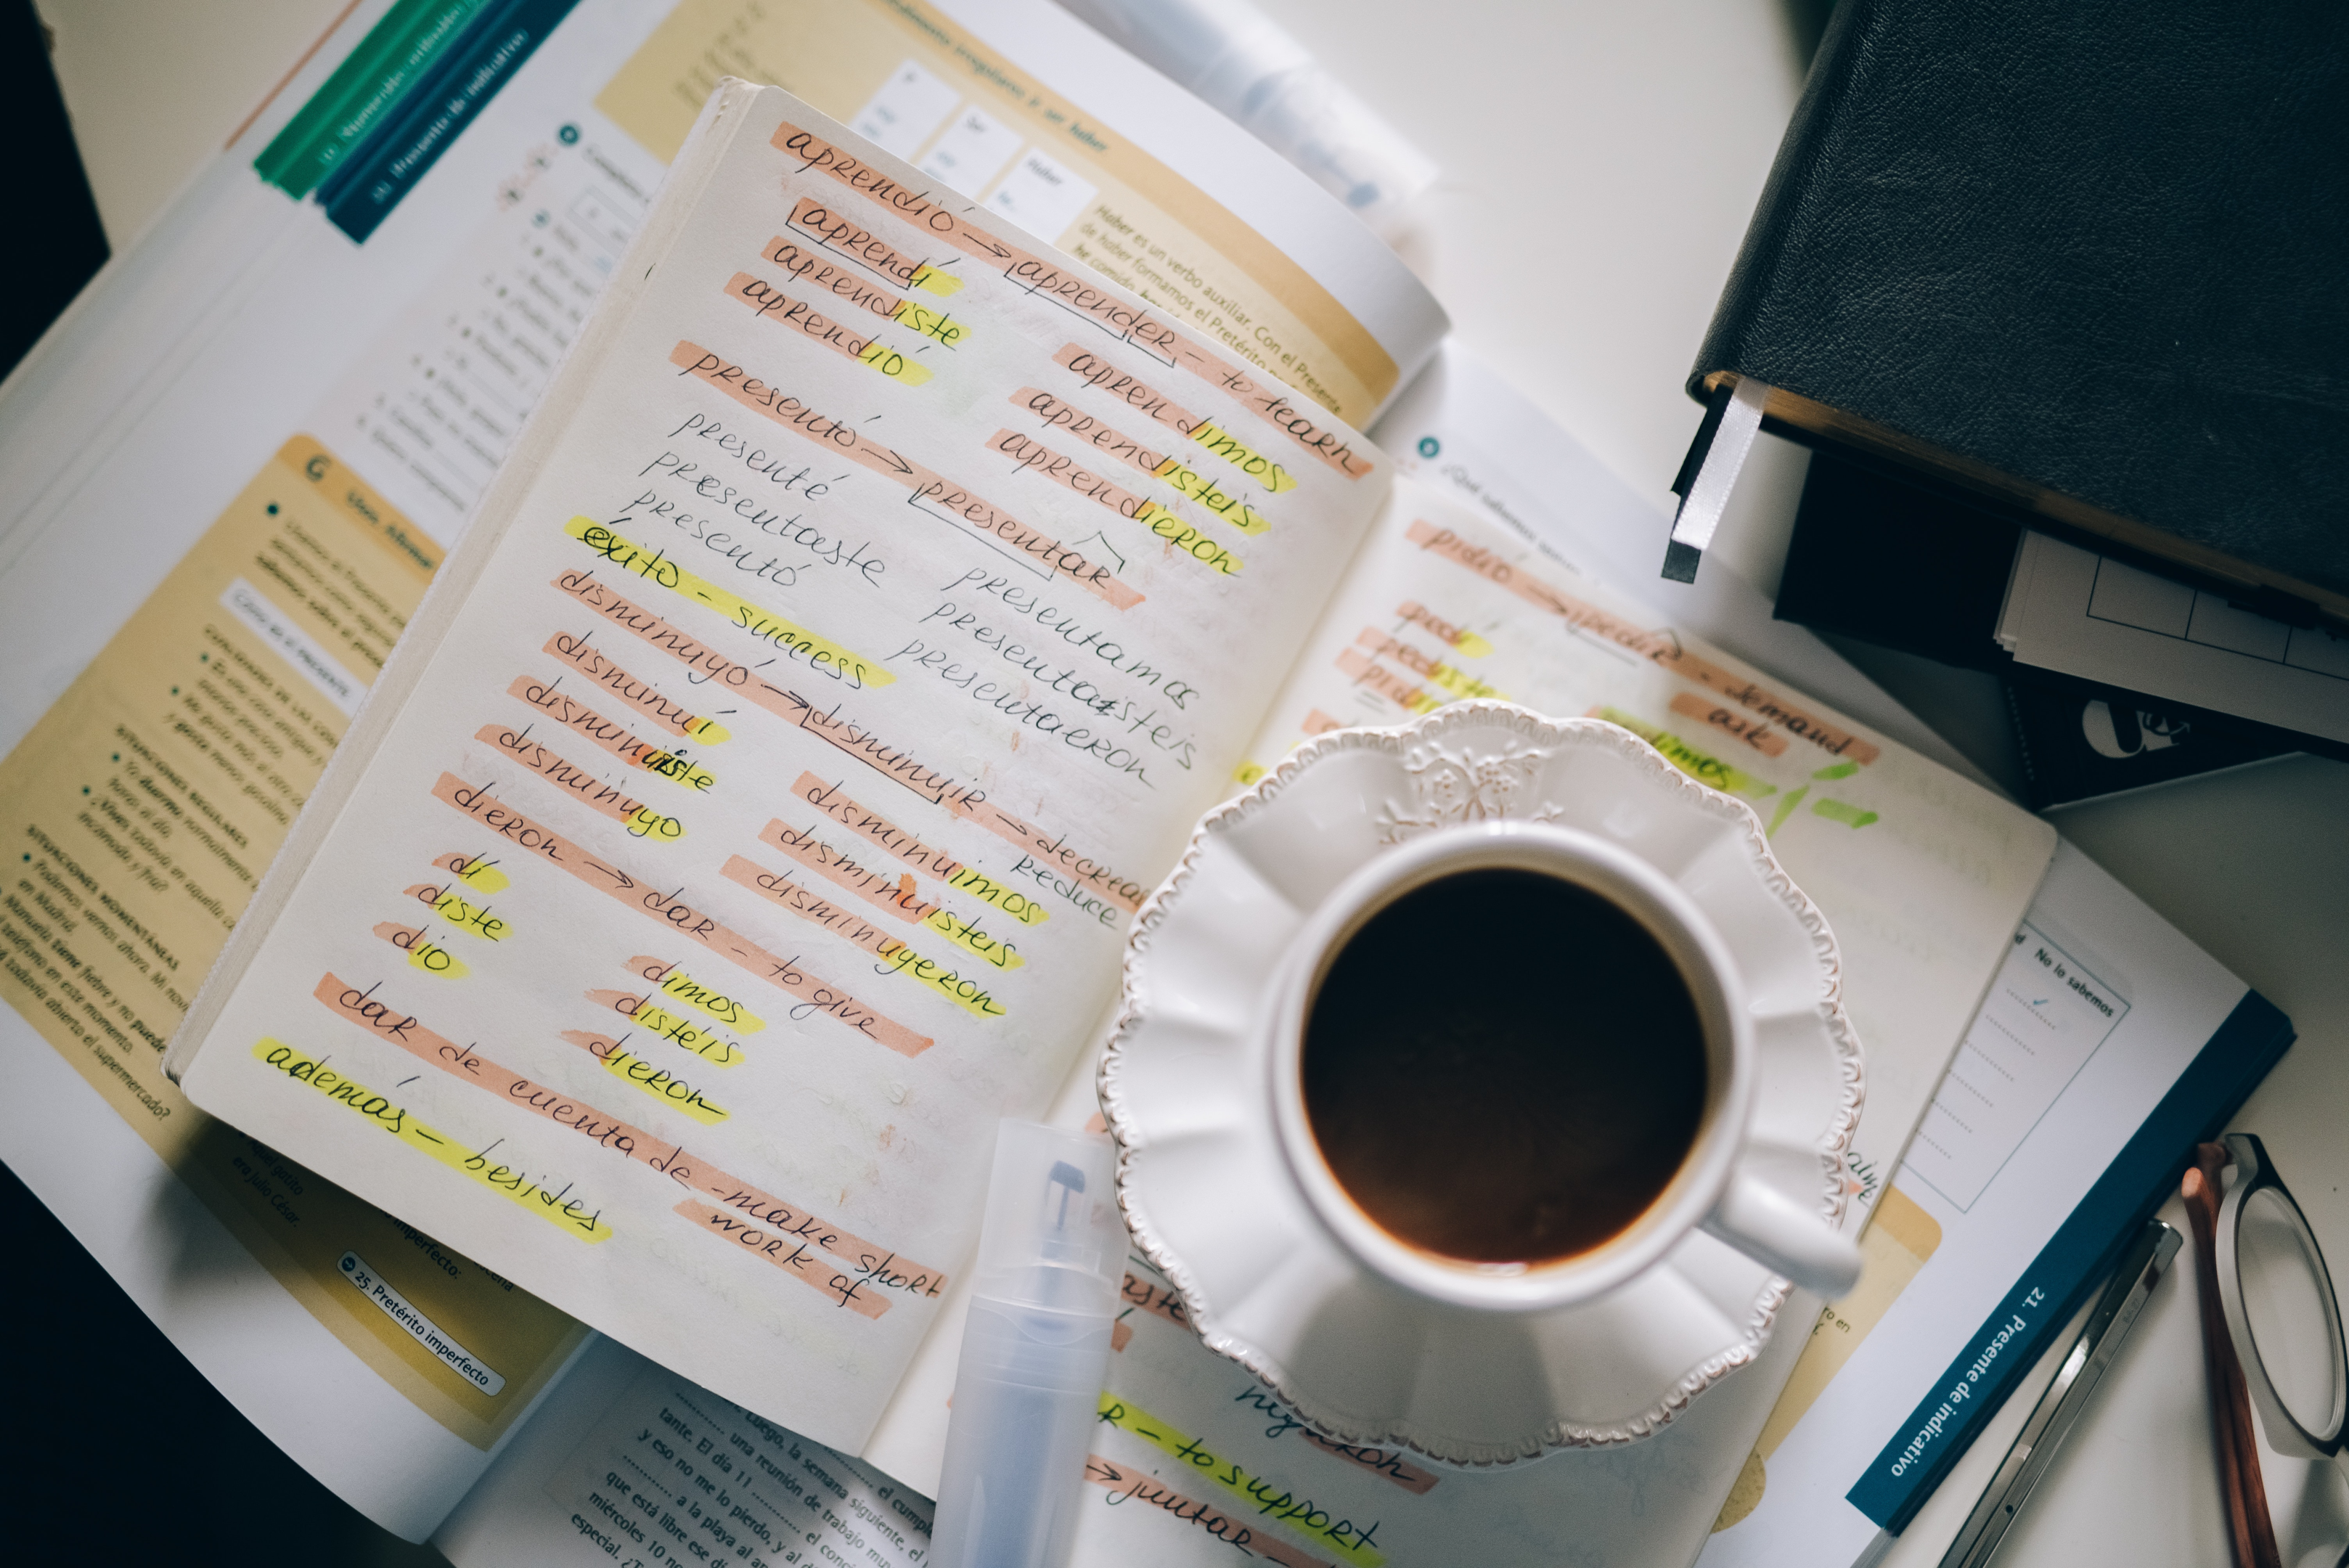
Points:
2083	261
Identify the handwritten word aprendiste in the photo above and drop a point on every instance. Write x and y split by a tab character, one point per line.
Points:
895	763
828	1263
559	1208
1662	648
930	492
812	995
1079	292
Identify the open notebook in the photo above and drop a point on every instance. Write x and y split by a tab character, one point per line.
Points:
751	814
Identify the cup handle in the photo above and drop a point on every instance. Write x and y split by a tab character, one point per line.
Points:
1772	1229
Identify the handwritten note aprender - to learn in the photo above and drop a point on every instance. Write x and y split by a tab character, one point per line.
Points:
851	646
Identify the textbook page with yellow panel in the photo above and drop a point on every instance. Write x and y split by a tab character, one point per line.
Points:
752	814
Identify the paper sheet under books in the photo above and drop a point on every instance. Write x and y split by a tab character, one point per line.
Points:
2088	615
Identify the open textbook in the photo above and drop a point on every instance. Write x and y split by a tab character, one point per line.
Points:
223	693
751	816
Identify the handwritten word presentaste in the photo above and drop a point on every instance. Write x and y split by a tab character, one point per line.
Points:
817	1251
559	1208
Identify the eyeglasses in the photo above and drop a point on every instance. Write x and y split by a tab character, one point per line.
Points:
2271	1332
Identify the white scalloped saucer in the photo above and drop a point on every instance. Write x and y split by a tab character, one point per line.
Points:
1200	1172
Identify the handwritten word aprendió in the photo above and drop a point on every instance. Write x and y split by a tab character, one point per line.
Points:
771	304
833	1272
559	1208
810	994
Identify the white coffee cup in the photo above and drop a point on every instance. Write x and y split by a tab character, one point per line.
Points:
1708	1191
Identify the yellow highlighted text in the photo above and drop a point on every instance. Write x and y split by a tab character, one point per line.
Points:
568	1214
805	647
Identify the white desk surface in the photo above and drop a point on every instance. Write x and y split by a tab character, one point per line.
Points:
1627	144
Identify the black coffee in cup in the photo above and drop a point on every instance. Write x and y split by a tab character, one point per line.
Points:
1504	1066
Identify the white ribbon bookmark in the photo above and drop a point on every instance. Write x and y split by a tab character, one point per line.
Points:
1716	476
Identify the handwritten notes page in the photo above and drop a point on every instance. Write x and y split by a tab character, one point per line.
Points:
849	647
1922	875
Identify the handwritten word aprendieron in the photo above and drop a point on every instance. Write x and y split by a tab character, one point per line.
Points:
1027	453
812	995
559	1208
1662	648
830	1265
928	492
